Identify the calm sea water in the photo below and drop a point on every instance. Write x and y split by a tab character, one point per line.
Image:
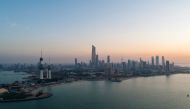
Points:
11	76
158	92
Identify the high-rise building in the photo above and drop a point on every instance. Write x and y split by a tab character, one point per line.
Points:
124	66
152	60
141	64
129	64
93	57
97	60
167	66
76	62
163	62
157	61
108	68
108	59
171	66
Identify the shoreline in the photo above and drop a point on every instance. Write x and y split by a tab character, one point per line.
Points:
47	94
43	96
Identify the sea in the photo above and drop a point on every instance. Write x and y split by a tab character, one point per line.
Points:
156	92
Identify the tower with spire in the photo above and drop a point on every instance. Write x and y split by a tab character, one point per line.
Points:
41	67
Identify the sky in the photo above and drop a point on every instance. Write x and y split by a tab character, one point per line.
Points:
65	29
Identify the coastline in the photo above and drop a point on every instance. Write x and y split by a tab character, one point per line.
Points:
37	87
43	96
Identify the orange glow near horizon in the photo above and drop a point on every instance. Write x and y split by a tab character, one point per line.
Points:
121	29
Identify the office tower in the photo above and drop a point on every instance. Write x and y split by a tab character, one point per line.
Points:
152	60
167	66
157	61
140	60
124	66
76	62
108	59
141	64
171	66
108	68
148	62
129	65
163	62
97	60
93	58
134	66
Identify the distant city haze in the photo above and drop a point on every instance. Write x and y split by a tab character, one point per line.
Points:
66	29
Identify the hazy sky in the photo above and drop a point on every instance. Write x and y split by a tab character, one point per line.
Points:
66	29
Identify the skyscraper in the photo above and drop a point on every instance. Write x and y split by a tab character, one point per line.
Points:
124	66
141	64
93	57
157	61
163	62
97	60
167	66
108	59
109	67
76	62
152	59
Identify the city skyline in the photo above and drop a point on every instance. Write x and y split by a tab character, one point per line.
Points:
119	28
94	59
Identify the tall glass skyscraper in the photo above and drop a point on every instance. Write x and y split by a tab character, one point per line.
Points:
157	61
152	60
163	62
93	57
